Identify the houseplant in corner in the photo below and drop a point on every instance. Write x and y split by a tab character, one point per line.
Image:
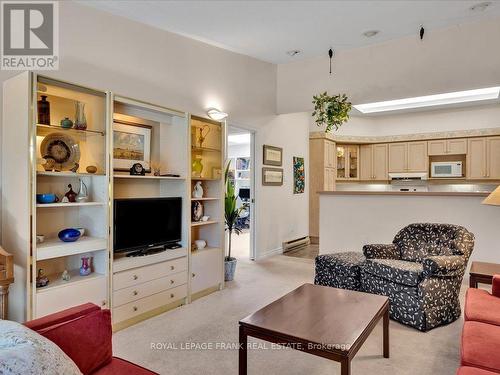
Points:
231	215
331	111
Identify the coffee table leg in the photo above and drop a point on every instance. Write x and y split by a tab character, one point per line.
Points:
472	282
243	352
345	367
386	333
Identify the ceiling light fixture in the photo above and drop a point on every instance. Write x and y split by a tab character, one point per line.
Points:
371	33
480	7
467	96
293	52
216	114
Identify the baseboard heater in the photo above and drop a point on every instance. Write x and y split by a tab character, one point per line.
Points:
296	244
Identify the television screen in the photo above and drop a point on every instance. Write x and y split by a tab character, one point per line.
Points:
146	222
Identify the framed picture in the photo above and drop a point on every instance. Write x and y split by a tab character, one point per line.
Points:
273	156
299	180
272	176
131	144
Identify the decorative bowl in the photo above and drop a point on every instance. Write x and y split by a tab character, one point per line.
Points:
46	198
69	235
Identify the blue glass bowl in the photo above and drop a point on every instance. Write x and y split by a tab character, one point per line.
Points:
69	235
45	198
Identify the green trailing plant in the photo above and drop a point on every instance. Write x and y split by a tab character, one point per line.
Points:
231	212
331	111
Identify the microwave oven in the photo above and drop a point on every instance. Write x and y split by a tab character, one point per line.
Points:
446	169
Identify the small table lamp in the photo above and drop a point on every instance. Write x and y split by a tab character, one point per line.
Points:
494	198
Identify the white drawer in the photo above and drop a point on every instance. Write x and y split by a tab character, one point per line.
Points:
140	275
59	298
148	288
146	304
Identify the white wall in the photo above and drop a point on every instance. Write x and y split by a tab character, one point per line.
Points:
285	215
461	57
347	222
239	150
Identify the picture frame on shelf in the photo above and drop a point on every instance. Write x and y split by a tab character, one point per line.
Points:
272	176
272	155
131	145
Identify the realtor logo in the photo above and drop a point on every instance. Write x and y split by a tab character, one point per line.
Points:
30	35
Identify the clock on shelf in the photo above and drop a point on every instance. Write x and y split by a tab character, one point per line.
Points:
137	170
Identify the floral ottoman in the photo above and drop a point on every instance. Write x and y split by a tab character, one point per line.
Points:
339	270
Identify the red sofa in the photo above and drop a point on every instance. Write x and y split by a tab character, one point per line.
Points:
481	333
84	334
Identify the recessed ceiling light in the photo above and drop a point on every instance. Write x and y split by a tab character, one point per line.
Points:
370	33
480	7
490	93
293	52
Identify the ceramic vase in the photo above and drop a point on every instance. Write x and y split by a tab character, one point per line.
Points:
43	111
196	211
85	268
80	119
66	123
197	166
198	190
83	195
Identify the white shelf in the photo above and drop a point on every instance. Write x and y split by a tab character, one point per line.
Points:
200	223
66	174
70	204
205	199
208	248
54	247
55	280
148	177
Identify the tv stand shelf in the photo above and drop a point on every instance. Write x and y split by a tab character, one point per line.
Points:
55	248
121	262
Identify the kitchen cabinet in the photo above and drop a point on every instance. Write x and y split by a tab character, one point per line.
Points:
493	158
476	158
439	147
347	162
408	157
373	164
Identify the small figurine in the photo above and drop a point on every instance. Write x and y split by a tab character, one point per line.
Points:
41	279
71	195
85	268
91	169
198	190
65	276
83	193
49	163
75	168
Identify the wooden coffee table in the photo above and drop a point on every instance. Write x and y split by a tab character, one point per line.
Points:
482	272
327	322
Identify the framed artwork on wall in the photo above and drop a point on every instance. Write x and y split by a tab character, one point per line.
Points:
272	156
272	176
299	175
131	145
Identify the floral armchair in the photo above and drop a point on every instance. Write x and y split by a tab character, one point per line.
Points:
421	272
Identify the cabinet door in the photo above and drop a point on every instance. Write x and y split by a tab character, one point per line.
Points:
329	183
366	162
341	161
353	152
206	267
397	157
330	156
493	158
456	146
417	157
437	147
476	158
380	171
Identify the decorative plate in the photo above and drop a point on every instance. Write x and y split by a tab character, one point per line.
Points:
63	148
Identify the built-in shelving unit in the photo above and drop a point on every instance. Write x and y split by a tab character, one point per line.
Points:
69	204
150	177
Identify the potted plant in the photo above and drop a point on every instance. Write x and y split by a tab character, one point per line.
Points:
231	215
331	111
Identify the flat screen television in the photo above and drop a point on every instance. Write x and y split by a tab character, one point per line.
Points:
141	223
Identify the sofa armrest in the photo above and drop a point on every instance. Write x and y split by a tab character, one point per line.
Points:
61	317
443	265
495	289
381	251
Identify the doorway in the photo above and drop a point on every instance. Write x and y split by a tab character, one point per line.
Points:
240	153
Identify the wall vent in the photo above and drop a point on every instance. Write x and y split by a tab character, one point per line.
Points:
296	244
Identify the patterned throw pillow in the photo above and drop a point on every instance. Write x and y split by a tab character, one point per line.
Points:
23	351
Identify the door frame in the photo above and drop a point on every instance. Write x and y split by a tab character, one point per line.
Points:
253	210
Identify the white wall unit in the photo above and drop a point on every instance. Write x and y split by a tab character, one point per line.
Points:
206	269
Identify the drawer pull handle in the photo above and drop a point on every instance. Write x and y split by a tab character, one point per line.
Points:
135	292
172	295
172	268
135	308
135	277
172	281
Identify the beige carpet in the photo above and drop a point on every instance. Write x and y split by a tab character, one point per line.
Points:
215	318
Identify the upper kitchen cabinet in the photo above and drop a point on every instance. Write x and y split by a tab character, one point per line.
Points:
408	157
483	159
373	162
347	162
447	147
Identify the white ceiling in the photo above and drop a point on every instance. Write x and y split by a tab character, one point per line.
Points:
267	29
